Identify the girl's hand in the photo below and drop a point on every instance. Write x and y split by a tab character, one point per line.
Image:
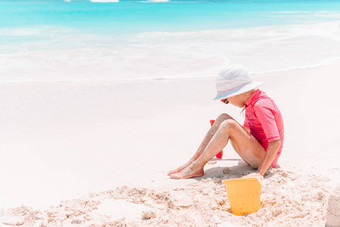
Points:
254	175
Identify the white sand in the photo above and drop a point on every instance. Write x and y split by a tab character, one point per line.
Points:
287	200
61	141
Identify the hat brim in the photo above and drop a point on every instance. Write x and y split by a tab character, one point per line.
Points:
238	90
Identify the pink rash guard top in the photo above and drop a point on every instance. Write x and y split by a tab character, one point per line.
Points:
264	120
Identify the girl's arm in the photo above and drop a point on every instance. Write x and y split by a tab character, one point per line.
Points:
273	148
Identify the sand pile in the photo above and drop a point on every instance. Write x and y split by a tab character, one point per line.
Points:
288	199
333	211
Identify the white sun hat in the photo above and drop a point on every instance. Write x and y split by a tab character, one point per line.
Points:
234	80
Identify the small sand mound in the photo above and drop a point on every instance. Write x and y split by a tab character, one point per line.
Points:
287	200
333	211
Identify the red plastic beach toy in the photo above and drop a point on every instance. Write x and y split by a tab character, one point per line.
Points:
220	154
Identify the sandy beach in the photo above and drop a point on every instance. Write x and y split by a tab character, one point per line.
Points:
99	152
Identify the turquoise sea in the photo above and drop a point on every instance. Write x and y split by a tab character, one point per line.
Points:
84	40
184	15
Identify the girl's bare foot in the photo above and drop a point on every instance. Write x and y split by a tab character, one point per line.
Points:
193	170
179	169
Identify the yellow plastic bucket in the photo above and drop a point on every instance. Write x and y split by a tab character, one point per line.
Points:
244	195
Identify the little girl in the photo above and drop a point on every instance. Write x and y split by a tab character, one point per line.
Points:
258	142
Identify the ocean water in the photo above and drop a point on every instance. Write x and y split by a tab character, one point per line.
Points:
55	40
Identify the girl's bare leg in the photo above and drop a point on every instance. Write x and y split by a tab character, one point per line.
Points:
204	143
249	149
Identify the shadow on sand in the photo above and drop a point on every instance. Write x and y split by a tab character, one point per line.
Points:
237	171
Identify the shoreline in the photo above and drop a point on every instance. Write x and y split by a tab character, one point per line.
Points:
169	55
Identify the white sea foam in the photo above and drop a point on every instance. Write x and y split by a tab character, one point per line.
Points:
165	55
19	31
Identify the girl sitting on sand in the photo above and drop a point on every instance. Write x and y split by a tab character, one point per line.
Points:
258	142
